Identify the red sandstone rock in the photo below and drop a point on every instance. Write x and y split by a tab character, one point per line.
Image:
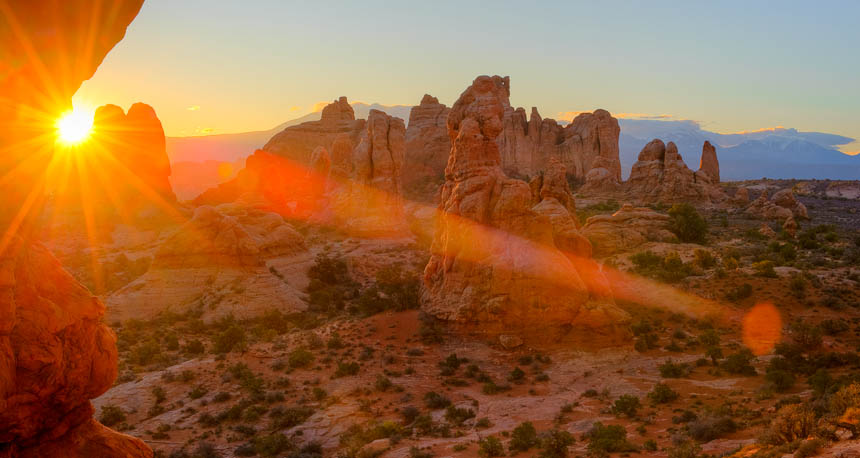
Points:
782	206
625	229
494	259
296	143
427	142
660	175
709	163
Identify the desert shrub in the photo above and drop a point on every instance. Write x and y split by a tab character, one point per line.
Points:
686	449
670	369
145	353
662	393
832	327
457	415
300	357
781	380
517	375
246	378
395	289
669	268
608	439
194	347
347	369
764	269
820	381
847	397
271	445
111	415
807	336
792	423
197	392
330	285
554	444
523	437
646	342
490	446
740	293
409	414
289	417
434	400
739	363
687	224
335	342
626	405
704	258
713	427
809	448
232	338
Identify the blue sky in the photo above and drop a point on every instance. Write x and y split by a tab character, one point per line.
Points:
233	66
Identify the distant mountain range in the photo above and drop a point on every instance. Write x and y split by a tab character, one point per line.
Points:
771	153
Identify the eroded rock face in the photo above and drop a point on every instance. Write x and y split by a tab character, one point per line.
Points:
221	251
55	354
785	199
371	202
741	197
589	142
296	143
427	142
626	229
554	200
494	259
660	175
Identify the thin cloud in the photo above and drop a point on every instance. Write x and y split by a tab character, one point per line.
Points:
642	116
296	108
852	153
204	130
763	129
569	115
193	108
318	106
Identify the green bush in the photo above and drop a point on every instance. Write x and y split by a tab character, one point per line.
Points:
347	369
711	427
781	380
626	405
554	444
457	415
111	416
300	357
739	363
687	224
670	369
232	338
764	269
523	437
434	400
490	446
662	393
608	439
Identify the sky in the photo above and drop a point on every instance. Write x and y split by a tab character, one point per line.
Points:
210	66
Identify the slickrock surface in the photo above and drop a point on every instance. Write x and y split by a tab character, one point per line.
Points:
660	175
296	143
427	145
494	260
626	229
217	259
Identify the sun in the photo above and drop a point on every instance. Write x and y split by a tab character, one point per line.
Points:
74	126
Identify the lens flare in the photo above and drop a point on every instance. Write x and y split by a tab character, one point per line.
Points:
74	126
762	328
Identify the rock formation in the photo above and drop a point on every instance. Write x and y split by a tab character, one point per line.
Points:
790	226
741	197
136	141
626	229
785	199
217	259
494	260
660	174
709	164
427	145
589	142
782	206
371	203
296	143
55	354
554	200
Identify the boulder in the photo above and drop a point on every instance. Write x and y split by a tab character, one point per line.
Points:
553	199
782	206
626	229
494	261
767	231
785	199
741	197
790	226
